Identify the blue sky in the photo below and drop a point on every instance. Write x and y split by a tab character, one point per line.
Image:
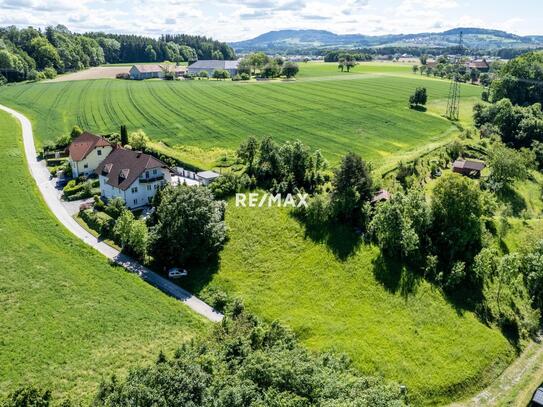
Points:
231	20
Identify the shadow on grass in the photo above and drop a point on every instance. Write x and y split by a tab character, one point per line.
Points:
200	275
395	276
513	199
342	240
419	108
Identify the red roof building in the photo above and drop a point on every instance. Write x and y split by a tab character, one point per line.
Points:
86	152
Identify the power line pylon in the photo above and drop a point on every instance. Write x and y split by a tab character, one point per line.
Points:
453	101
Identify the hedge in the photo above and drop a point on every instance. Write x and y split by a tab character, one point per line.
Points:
100	222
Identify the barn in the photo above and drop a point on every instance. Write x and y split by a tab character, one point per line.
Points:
211	66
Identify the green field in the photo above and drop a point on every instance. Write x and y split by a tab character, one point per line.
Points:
365	111
68	318
331	291
335	295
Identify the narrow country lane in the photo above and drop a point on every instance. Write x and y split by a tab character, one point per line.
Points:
40	174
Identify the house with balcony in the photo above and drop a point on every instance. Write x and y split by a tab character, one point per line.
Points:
133	176
86	152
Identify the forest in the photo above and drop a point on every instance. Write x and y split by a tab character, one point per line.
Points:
33	54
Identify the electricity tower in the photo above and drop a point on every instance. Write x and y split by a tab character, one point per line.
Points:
453	102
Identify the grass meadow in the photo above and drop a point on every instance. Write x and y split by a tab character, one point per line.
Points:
364	111
68	318
336	293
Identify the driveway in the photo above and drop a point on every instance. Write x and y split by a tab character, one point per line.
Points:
52	198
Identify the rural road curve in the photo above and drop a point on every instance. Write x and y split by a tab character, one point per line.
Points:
40	173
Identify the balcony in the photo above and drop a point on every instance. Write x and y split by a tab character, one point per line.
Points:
152	179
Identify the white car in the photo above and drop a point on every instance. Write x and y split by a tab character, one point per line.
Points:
176	272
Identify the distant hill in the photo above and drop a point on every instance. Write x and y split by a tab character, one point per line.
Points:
285	40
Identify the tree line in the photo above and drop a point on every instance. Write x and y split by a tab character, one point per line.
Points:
33	54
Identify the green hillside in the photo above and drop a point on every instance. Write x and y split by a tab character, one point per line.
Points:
67	317
365	111
335	293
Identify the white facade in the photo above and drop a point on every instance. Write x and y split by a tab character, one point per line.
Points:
142	190
88	165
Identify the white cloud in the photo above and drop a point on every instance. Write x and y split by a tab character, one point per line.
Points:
232	20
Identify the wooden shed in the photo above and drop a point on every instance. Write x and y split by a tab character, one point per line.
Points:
470	168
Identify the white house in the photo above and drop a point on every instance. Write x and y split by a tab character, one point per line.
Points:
211	66
86	152
133	176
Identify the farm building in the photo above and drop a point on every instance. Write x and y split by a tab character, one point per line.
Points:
480	65
86	152
470	168
133	176
211	66
140	72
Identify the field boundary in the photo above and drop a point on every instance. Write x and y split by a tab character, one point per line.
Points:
41	176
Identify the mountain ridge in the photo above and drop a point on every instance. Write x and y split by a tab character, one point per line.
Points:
284	40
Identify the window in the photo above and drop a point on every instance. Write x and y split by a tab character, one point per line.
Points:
148	187
99	152
154	171
135	201
134	190
146	174
156	186
86	166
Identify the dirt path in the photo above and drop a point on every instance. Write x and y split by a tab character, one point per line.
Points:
98	72
515	386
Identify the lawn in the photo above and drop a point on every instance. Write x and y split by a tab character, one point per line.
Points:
331	291
336	295
365	112
67	317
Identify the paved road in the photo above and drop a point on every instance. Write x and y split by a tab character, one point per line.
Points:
50	195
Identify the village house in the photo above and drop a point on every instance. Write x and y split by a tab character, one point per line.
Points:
133	176
150	71
470	168
211	66
86	152
480	65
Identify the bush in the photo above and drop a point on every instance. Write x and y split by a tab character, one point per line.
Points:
28	397
115	207
245	76
74	191
229	184
50	73
100	222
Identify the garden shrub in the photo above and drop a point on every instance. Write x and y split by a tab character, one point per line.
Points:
100	222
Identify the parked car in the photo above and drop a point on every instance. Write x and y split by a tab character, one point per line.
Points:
176	272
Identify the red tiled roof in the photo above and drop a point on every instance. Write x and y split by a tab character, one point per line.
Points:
84	144
122	167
